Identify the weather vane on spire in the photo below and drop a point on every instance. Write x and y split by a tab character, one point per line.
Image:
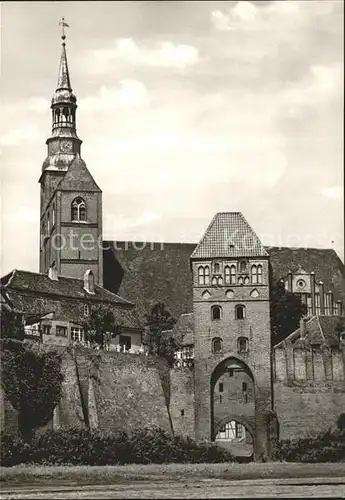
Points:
64	25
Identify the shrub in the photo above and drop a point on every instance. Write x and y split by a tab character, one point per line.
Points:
81	447
327	447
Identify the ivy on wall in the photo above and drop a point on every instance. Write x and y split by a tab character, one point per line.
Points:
32	381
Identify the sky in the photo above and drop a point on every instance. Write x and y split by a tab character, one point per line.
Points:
185	109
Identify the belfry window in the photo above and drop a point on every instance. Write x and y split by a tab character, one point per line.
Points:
216	312
240	312
78	211
217	345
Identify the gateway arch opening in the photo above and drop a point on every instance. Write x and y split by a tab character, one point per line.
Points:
233	407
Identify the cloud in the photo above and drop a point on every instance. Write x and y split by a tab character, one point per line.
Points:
274	15
334	192
27	132
129	93
127	51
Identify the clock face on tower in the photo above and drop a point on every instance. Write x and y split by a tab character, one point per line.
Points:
66	146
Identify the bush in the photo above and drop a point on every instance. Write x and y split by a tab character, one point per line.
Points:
81	447
327	447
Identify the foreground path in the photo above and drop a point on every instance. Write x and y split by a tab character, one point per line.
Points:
188	488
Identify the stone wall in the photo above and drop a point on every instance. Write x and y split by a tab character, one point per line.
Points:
182	401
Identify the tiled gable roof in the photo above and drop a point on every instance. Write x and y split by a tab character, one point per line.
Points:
229	235
78	178
27	291
63	287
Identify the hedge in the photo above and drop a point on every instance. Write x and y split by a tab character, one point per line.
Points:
326	447
78	446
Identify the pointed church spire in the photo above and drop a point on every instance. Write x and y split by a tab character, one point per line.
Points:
63	78
64	143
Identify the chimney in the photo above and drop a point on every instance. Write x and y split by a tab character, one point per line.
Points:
312	286
302	328
322	298
290	281
52	273
89	282
330	302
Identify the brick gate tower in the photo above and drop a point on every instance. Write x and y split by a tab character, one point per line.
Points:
232	332
71	201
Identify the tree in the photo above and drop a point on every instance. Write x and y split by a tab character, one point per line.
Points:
162	344
11	324
101	327
286	312
32	381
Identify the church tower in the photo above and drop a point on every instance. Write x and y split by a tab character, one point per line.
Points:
71	201
232	335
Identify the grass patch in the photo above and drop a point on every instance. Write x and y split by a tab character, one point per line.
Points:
91	475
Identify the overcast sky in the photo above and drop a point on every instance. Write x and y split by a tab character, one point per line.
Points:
185	109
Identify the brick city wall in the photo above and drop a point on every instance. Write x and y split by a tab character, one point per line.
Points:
306	410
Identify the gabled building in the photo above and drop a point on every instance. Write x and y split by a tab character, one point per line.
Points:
54	308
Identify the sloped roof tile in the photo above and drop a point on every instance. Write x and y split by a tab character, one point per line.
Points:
229	235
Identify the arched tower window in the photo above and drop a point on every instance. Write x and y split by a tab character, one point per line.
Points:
216	312
240	311
217	345
254	273
232	275
216	268
65	114
78	210
243	266
242	344
259	273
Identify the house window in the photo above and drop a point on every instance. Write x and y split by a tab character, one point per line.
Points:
217	345
254	273
78	210
240	312
125	342
46	329
86	310
77	334
204	275
259	274
215	312
244	386
239	430
221	387
61	331
242	344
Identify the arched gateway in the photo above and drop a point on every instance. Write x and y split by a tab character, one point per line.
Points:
233	407
232	365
